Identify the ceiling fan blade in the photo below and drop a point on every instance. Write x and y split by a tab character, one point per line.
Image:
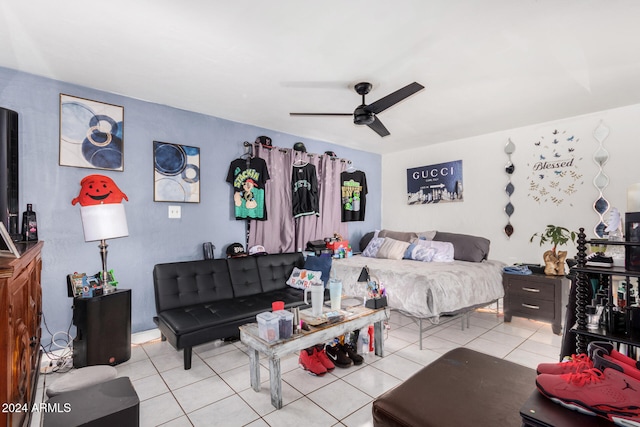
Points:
395	97
321	114
379	128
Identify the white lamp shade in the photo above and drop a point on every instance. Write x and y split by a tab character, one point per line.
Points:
106	221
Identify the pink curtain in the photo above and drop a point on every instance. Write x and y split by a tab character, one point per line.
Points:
280	232
313	227
277	233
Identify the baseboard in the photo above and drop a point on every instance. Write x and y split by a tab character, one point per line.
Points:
145	336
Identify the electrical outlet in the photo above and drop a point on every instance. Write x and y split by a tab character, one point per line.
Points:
175	212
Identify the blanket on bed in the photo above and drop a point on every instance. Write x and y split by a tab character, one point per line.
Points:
425	289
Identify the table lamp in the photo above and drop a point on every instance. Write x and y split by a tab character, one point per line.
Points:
102	222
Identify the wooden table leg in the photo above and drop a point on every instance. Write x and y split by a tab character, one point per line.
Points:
275	382
254	369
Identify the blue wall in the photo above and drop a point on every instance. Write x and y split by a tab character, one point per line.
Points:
153	238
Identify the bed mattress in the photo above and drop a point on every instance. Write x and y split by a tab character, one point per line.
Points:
425	289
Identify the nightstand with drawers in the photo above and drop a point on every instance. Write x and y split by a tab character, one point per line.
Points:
537	297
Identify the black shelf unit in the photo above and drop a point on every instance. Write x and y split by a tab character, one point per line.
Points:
583	285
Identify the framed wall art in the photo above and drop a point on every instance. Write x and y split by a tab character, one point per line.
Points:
439	183
176	174
91	134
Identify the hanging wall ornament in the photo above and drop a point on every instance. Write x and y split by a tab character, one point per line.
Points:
601	180
509	169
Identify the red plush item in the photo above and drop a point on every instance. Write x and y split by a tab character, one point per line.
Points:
98	189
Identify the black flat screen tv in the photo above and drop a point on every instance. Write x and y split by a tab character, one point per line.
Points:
9	203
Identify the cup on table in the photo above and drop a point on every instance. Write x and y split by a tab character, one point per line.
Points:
317	297
277	305
335	292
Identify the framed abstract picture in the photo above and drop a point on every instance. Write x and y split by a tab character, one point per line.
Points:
91	134
176	173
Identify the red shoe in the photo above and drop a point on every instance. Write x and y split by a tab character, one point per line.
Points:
324	359
309	361
577	363
608	394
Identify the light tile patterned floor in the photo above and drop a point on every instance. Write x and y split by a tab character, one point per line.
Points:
216	390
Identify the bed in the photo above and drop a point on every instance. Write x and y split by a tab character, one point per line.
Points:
429	290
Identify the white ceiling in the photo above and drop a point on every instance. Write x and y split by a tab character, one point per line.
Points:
487	65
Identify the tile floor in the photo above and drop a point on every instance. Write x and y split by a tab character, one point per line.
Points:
216	390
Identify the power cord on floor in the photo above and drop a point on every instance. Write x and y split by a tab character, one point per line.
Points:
59	351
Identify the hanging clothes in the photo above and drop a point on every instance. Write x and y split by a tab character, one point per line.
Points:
304	186
248	177
353	186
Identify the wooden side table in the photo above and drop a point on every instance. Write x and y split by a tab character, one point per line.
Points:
536	296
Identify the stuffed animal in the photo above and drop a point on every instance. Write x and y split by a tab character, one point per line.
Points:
98	189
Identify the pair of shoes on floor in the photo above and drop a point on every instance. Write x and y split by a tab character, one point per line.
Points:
605	383
315	361
343	355
598	259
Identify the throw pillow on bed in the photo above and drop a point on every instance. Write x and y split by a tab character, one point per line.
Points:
302	278
467	248
372	248
432	251
392	249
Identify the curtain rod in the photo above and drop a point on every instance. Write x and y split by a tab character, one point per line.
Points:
285	150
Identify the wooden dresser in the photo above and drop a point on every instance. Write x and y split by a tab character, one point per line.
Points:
20	332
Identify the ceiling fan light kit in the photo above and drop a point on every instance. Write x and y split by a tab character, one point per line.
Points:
366	114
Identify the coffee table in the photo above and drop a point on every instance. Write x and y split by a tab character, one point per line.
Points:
358	318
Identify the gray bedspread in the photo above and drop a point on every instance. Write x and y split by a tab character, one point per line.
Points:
425	289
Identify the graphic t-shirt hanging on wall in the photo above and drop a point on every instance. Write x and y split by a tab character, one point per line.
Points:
248	182
354	190
304	184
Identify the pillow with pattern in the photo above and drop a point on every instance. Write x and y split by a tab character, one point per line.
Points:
301	278
372	248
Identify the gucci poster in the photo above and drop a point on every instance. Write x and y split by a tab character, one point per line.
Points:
439	183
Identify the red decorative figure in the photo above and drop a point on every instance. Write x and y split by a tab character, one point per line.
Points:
98	189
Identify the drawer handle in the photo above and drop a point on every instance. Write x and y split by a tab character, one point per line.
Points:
534	307
531	290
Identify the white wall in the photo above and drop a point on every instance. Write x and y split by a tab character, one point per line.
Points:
484	179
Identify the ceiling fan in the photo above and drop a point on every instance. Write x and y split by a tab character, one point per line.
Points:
366	114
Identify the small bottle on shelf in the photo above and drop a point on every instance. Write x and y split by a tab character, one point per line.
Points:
29	224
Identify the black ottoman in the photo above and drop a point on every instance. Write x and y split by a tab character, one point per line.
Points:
461	388
108	404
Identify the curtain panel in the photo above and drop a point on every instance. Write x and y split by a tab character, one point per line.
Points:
280	232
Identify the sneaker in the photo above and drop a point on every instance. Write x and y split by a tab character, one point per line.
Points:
598	259
338	356
600	354
324	359
609	394
577	363
308	360
353	354
603	361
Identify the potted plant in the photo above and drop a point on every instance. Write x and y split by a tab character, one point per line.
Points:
556	235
